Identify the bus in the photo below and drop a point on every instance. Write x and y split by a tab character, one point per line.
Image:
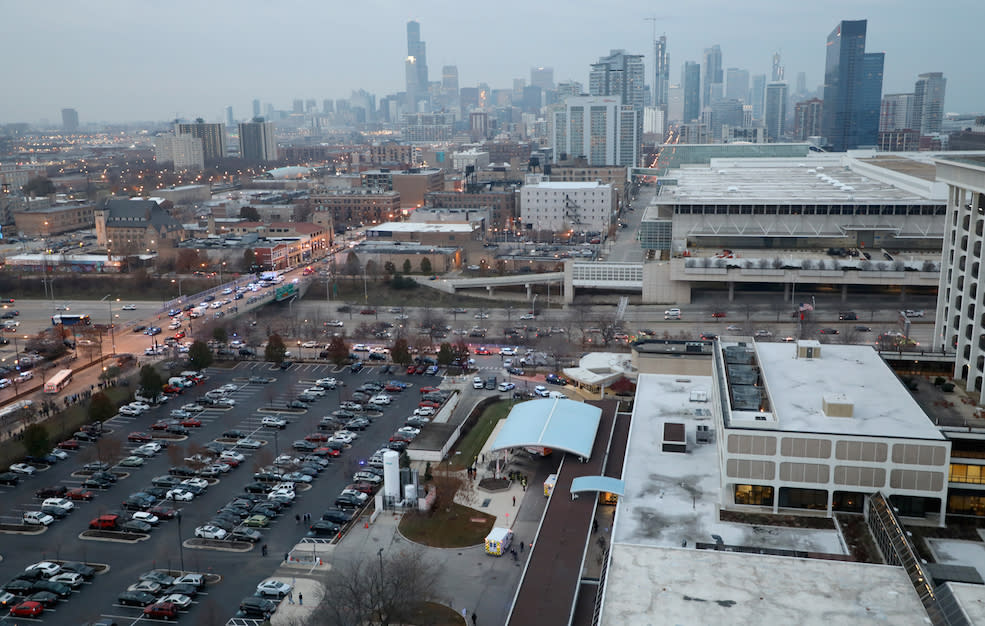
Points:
66	319
58	382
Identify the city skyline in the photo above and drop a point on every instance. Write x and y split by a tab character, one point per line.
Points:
264	52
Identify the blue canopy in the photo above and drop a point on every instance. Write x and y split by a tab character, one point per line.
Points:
556	423
598	484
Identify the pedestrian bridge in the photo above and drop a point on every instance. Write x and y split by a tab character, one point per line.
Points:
489	283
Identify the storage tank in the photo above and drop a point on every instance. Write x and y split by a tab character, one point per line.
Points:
391	474
410	494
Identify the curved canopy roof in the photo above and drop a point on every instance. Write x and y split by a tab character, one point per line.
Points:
598	483
559	424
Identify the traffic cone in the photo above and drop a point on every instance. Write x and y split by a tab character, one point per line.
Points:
367	524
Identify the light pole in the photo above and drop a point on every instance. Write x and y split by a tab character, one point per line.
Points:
379	553
179	286
181	551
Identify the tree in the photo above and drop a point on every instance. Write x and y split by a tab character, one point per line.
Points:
373	269
250	213
101	408
150	382
275	350
351	268
200	355
249	259
338	351
425	265
38	186
219	334
109	373
407	266
399	352
364	592
389	268
36	440
445	354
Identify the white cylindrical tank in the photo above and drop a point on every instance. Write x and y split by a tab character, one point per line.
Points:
391	474
410	493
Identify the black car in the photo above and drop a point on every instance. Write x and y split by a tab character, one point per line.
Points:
19	587
57	491
264	509
238	511
324	528
356	367
234	434
357	423
181	470
139	501
307	398
399	446
62	591
296	404
95	466
337	515
184	589
176	429
341	414
302	444
253	606
226	523
257	488
9	478
104	475
361	397
75	567
167	481
96	483
348	501
46	598
136	598
242	533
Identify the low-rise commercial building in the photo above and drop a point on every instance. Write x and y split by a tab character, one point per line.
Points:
52	218
344	208
501	203
567	207
133	226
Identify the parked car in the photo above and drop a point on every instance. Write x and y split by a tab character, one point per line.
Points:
135	598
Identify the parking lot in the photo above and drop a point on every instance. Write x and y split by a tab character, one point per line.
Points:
231	570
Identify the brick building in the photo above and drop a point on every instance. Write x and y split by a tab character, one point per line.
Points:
340	208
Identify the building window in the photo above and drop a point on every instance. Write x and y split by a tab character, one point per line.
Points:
754	495
971	474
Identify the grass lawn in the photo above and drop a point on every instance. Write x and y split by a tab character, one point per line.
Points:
469	446
455	526
434	614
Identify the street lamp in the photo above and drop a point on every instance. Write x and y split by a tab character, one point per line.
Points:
379	553
179	286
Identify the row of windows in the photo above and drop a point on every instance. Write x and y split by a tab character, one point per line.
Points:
816	473
971	474
808	210
867	451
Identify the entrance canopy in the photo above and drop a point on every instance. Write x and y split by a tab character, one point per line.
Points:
602	484
556	423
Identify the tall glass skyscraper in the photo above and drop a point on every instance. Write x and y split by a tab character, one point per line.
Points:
691	79
416	65
852	89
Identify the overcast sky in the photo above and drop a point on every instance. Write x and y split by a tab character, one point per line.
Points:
116	60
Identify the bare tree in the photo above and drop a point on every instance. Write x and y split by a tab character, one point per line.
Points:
380	592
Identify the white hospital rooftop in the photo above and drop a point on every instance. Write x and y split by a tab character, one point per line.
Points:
840	390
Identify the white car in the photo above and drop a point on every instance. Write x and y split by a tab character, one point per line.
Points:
175	325
309	344
61	503
272	421
342	438
23	468
541	391
180	600
913	313
528	316
201	483
335	323
129	307
144	516
353	492
59	454
381	398
424	411
229	387
249	443
273	588
5	382
672	314
227	291
232	454
147	450
129	411
71	579
225	402
180	413
281	494
179	494
508	351
47	567
763	333
193	407
314	391
326	383
477	383
409	430
210	532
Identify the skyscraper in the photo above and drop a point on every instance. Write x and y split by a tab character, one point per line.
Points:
712	75
691	82
757	91
257	143
807	118
599	128
801	82
852	88
619	74
213	138
896	112
256	108
661	69
229	116
70	120
449	86
737	84
416	66
777	67
775	116
542	77
928	102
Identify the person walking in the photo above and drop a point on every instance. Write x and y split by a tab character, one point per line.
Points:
263	550
514	500
297	518
473	618
300	599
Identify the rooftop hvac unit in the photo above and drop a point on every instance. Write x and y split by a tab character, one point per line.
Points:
704	434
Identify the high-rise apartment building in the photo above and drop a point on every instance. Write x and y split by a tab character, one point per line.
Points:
297	106
775	115
184	152
896	112
569	88
416	66
229	116
619	74
675	103
213	137
599	128
807	118
756	94
256	108
737	84
257	143
449	85
778	71
691	82
542	77
852	88
712	75
928	103
70	120
661	72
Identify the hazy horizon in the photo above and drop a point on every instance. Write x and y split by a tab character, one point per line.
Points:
145	61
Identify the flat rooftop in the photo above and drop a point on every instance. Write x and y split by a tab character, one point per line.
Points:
422	227
650	585
882	406
775	183
904	165
672	497
567	185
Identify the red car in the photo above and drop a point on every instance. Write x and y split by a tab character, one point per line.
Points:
139	437
161	610
411	369
368	312
482	350
27	609
179	335
433	405
327	451
400	437
173	389
393	388
231	462
69	444
79	494
718	314
192	422
425	390
160	425
316	437
367	488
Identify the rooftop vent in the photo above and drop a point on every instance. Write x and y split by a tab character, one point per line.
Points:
699	395
808	349
837	405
